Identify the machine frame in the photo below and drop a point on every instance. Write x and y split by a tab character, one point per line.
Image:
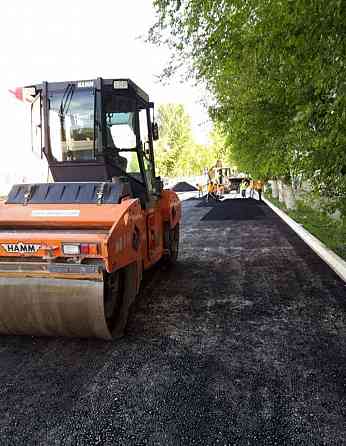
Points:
72	252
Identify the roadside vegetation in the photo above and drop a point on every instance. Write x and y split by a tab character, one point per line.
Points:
318	222
276	73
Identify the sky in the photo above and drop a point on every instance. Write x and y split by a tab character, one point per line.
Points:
72	40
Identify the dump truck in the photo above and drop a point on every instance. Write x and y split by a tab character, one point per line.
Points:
73	250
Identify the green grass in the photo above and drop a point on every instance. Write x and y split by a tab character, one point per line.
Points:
331	232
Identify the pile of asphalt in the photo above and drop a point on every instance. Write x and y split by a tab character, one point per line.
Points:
236	209
208	203
183	186
242	343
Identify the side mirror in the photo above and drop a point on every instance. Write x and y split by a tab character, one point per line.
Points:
155	131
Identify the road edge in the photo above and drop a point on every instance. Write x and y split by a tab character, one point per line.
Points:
335	262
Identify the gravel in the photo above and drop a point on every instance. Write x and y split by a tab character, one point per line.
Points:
242	343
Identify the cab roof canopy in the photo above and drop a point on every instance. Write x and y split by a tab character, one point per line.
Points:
119	86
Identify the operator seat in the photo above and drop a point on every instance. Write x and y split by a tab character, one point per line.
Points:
119	162
112	152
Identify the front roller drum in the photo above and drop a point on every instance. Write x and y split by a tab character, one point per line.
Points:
43	306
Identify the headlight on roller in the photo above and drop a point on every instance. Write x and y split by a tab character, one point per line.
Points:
71	250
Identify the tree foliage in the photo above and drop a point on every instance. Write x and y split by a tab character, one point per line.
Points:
175	136
276	69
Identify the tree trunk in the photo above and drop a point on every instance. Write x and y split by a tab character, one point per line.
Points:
281	191
289	198
275	190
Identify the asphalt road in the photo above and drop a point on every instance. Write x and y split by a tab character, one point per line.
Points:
242	343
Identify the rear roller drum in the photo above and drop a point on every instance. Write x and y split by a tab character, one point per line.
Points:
172	244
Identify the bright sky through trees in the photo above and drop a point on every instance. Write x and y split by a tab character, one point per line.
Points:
69	40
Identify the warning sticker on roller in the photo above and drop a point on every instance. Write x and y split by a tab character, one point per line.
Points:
56	213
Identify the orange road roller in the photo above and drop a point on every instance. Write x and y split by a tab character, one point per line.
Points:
73	250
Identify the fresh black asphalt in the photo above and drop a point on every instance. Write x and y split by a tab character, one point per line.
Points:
243	342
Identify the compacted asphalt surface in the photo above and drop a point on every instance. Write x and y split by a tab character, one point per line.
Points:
243	342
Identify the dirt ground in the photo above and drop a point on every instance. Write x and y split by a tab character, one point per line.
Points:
242	343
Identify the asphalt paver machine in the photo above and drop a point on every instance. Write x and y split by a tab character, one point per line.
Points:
72	251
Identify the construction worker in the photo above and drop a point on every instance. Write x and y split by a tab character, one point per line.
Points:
259	186
200	190
216	189
212	190
243	187
252	188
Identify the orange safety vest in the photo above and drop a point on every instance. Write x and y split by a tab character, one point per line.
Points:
259	184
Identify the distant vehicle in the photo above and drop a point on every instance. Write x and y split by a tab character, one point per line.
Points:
227	176
234	184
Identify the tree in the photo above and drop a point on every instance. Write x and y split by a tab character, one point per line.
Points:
175	137
277	72
177	154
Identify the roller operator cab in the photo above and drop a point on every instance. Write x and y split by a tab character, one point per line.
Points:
72	251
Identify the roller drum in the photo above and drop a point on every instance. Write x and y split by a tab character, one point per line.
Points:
52	307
